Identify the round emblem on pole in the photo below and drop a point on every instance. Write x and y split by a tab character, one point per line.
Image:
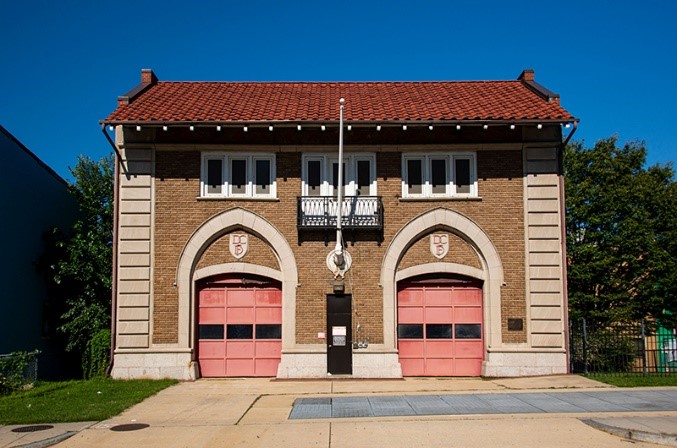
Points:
339	265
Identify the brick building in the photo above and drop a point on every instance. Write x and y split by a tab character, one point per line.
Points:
452	229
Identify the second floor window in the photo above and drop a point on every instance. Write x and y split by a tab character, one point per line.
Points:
439	175
238	175
320	175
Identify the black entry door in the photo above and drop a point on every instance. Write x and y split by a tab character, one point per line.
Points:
339	335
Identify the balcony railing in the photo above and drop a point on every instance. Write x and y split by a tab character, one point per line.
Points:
357	212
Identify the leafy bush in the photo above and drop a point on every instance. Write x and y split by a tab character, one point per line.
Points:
77	261
607	352
96	356
14	372
605	348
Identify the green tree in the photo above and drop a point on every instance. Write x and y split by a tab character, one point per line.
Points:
621	224
83	269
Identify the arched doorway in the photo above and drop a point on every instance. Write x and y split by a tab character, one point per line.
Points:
491	272
440	326
239	326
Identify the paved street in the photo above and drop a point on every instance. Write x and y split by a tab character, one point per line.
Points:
562	411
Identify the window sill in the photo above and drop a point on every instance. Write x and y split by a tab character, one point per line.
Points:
441	199
237	199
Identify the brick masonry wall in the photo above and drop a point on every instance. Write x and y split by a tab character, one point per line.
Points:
500	213
179	212
258	252
460	252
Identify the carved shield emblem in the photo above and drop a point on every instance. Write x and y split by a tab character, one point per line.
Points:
439	245
239	243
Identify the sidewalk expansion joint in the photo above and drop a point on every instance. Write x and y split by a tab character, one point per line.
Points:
249	409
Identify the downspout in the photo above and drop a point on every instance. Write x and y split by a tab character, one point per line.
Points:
563	236
571	134
114	284
112	144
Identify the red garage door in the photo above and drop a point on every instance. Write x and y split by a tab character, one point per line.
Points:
239	328
440	330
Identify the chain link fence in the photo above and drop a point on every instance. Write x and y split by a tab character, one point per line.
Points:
622	348
18	369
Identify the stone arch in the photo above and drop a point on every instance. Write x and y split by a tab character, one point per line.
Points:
491	272
208	232
439	268
237	268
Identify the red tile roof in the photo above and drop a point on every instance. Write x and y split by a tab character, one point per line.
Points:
247	102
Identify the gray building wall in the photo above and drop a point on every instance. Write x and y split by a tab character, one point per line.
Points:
33	200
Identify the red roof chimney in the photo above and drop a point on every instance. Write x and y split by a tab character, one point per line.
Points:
148	79
147	76
527	78
527	75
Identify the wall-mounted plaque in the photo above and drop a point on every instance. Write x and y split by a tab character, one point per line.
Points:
439	245
239	243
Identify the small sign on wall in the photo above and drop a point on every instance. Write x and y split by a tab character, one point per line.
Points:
515	324
339	336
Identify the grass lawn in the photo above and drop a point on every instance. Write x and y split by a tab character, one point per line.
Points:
75	401
637	380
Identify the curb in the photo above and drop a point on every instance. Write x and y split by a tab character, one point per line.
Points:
636	435
49	442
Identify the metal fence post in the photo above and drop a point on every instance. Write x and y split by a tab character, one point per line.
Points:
644	369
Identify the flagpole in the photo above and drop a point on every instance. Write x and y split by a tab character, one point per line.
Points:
338	250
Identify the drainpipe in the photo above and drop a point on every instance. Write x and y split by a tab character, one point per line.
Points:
114	284
571	134
563	236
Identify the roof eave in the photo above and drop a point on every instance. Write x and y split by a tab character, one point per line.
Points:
336	122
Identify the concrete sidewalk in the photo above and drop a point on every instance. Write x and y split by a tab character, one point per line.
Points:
549	402
255	412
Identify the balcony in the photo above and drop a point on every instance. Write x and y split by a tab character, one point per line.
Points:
357	213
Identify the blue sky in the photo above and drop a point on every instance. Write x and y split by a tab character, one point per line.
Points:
65	63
